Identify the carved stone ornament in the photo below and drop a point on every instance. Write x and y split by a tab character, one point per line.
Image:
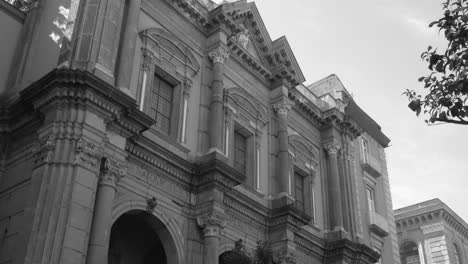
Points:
243	38
151	203
282	109
332	148
43	151
148	58
218	55
285	257
212	224
87	154
187	86
111	172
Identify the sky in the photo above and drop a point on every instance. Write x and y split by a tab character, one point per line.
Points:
374	47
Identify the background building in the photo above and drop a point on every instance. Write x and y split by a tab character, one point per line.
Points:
430	232
142	130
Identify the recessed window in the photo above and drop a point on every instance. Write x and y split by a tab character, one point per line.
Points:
240	152
299	191
365	150
161	103
370	193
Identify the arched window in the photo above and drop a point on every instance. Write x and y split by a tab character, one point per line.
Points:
457	254
409	253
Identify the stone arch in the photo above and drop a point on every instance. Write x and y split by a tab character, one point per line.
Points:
171	234
225	248
158	37
301	147
240	97
409	250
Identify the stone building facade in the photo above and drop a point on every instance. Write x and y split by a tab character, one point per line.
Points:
166	130
431	233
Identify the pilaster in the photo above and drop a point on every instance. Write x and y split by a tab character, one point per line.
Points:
212	225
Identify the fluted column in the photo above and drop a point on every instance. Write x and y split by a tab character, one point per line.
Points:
110	174
218	56
127	51
283	172
334	187
212	225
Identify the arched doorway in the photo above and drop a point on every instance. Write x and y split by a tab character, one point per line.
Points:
138	237
409	253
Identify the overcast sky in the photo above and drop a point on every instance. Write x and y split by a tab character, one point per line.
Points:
374	47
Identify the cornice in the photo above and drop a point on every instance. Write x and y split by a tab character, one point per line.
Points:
430	217
243	205
213	169
352	252
288	215
307	108
161	162
83	89
248	61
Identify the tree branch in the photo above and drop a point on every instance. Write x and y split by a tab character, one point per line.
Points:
451	121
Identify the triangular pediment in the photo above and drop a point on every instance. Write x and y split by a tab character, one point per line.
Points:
276	56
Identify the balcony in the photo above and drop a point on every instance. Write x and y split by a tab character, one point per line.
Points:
378	224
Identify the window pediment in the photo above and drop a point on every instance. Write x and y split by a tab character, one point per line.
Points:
165	46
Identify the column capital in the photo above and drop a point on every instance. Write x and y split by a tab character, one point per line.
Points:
282	108
212	224
218	55
148	58
187	85
111	172
332	148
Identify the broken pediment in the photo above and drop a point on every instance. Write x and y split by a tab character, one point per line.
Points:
275	56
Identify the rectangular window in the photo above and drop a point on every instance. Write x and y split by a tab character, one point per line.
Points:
365	150
370	198
161	103
240	152
299	191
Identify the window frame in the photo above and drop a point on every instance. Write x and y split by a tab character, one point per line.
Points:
306	175
365	150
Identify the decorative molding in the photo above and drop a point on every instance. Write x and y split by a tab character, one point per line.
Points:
111	172
87	154
43	151
151	203
284	257
212	224
282	108
218	55
332	148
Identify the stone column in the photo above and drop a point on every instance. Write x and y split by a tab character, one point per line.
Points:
218	56
283	172
127	49
212	225
186	97
110	174
334	187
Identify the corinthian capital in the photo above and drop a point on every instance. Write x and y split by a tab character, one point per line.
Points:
218	54
111	172
212	224
332	148
282	108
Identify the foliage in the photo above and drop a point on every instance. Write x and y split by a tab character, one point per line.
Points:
23	5
263	254
447	82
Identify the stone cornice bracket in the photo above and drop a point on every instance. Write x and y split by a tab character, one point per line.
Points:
332	148
282	108
218	55
111	172
212	224
43	151
87	154
148	58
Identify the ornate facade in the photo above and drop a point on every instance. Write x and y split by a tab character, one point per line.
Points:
166	130
430	232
